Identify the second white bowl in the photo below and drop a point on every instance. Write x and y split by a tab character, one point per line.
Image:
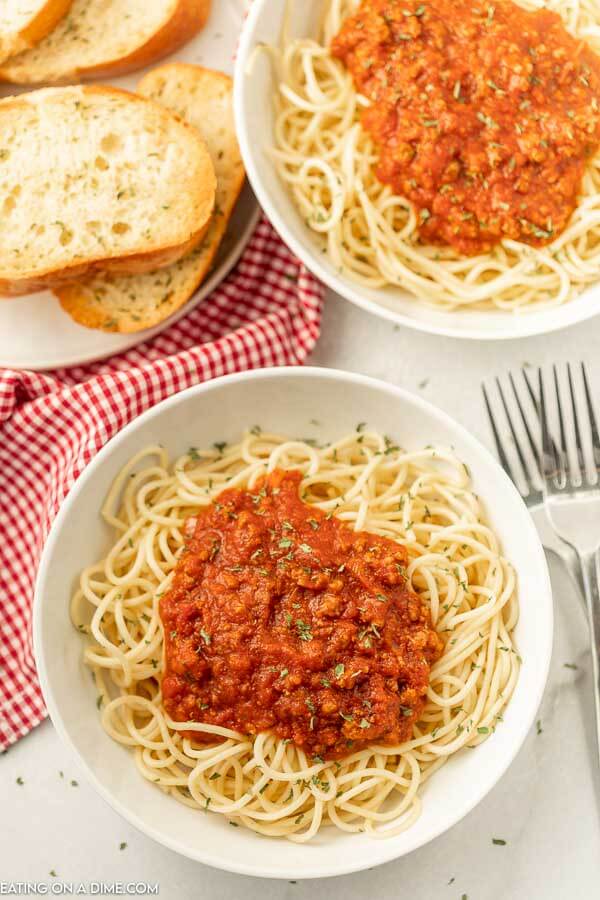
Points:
254	110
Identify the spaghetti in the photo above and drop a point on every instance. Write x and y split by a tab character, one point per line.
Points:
372	234
419	499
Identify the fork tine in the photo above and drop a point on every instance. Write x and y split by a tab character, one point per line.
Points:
549	459
561	420
563	455
531	391
592	417
504	461
590	406
536	406
534	448
578	442
520	454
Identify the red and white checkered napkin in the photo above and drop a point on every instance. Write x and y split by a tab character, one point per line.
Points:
267	313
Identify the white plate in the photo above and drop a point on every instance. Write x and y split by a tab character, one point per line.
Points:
35	333
254	87
283	400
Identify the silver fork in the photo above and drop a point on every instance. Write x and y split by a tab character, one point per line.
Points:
524	469
571	471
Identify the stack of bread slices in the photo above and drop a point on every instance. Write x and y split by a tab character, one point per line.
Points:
58	41
116	201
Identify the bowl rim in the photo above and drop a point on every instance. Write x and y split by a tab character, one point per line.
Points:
545	321
382	851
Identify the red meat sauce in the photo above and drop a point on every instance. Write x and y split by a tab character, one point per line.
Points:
484	114
281	618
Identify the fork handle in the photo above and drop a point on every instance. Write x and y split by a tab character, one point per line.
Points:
554	544
590	567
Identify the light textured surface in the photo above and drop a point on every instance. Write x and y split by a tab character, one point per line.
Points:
89	174
18	17
545	807
15	16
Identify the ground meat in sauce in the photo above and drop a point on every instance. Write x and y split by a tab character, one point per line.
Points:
484	114
281	618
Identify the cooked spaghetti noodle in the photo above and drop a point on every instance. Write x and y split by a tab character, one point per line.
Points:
420	499
370	233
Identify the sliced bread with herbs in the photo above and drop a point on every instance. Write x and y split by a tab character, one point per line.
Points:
132	303
96	178
24	23
104	38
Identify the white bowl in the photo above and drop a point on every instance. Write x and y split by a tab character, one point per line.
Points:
254	87
283	400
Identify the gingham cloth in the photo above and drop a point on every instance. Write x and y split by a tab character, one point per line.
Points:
266	313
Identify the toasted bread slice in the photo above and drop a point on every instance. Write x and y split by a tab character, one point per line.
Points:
127	304
104	38
24	23
96	178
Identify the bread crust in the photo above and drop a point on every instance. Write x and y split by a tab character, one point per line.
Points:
134	261
186	20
